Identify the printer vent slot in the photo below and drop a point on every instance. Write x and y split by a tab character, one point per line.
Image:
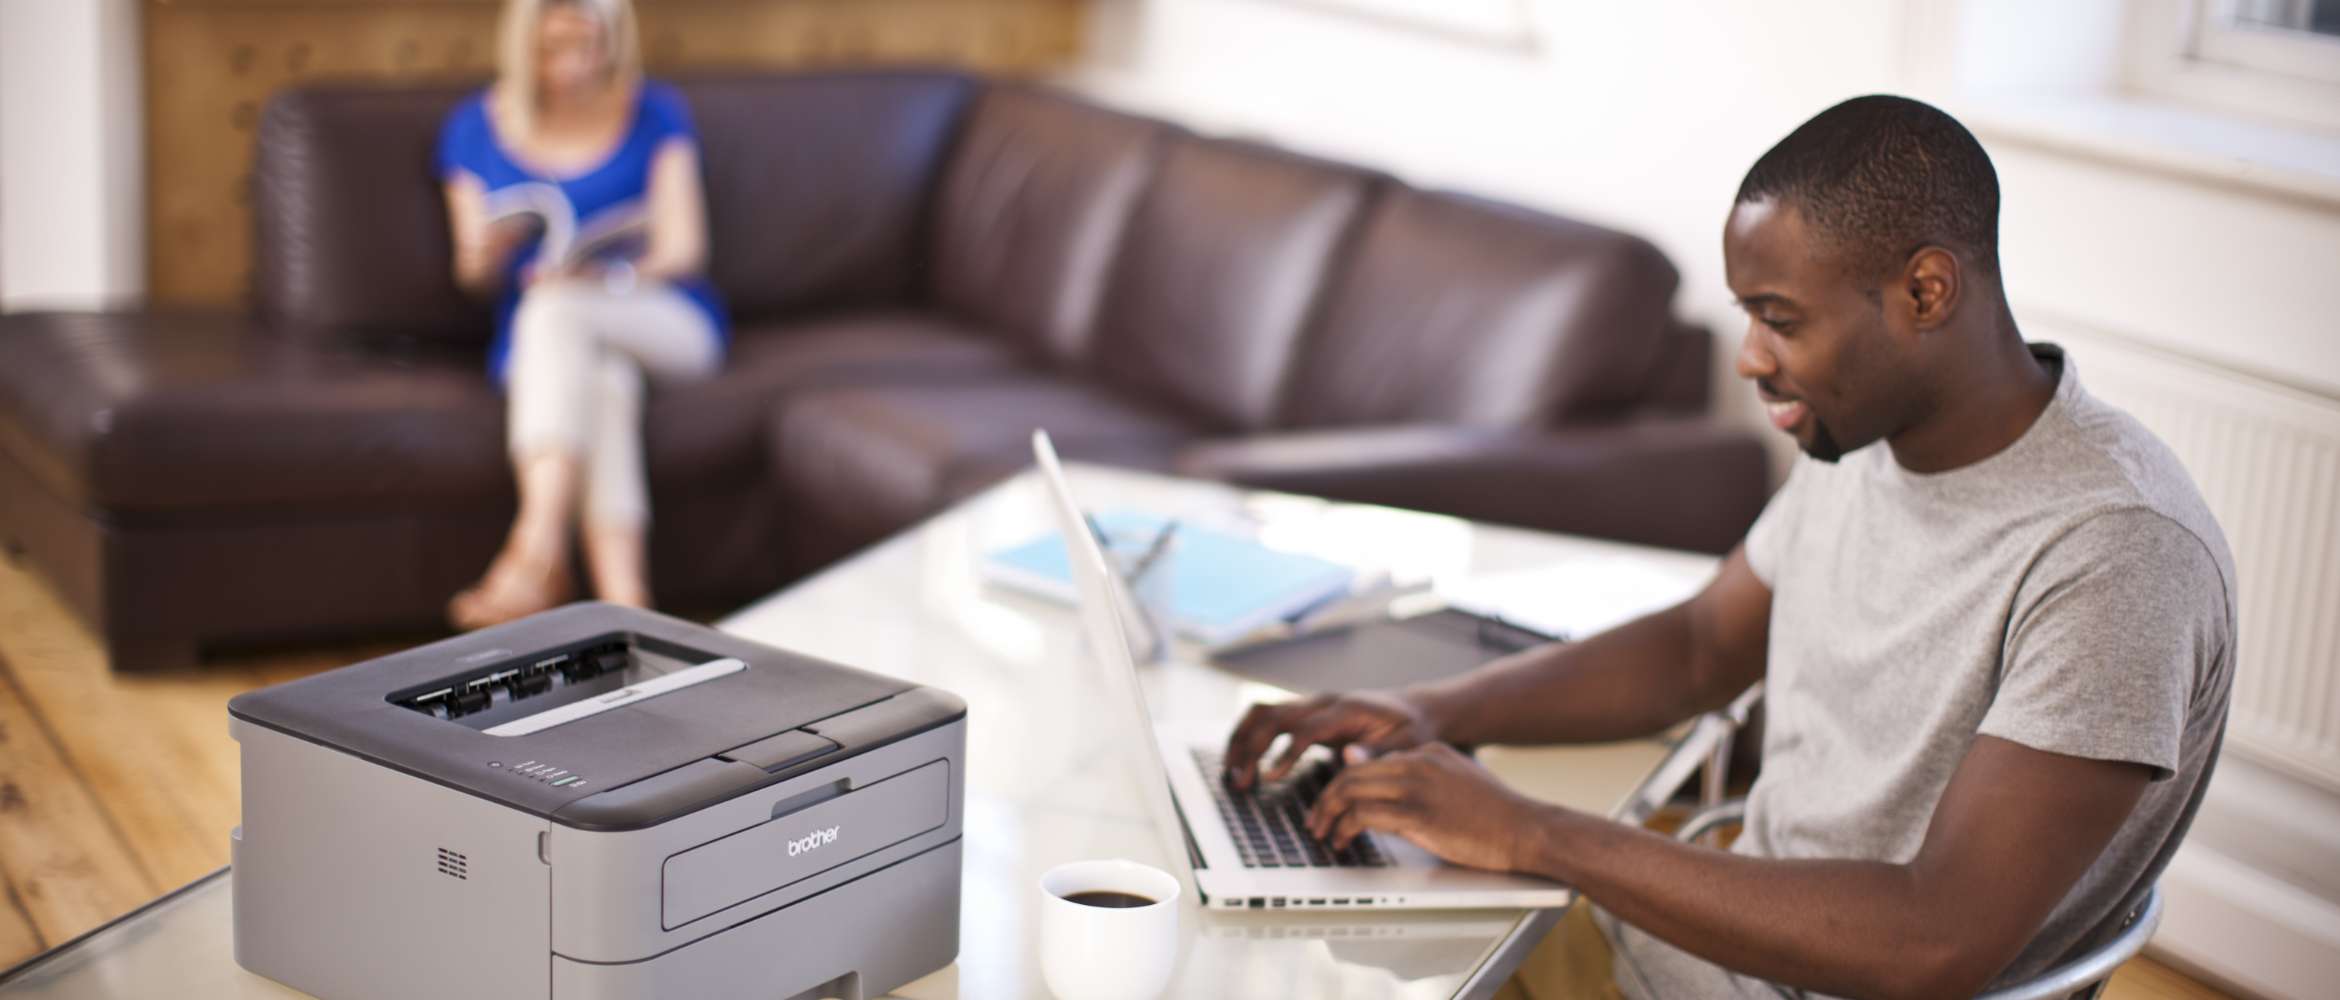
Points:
454	864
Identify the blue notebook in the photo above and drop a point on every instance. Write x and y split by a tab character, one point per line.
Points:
1222	586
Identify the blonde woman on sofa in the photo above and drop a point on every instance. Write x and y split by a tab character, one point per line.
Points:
570	148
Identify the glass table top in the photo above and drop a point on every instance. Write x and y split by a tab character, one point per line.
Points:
1044	781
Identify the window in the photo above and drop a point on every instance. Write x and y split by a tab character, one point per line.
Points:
2298	38
2264	58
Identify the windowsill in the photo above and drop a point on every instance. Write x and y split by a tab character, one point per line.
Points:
2295	164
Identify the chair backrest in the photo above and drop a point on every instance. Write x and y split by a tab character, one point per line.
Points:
2087	974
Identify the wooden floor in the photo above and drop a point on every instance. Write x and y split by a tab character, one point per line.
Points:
117	788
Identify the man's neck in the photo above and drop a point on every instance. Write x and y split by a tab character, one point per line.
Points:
1982	410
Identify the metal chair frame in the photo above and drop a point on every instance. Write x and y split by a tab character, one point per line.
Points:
2084	976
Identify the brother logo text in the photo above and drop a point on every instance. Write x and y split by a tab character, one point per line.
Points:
811	840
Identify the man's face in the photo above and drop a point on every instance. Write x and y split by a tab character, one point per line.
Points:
1820	346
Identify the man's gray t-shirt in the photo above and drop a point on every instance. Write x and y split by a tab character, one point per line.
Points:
2070	593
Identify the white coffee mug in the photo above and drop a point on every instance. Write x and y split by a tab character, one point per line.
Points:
1108	953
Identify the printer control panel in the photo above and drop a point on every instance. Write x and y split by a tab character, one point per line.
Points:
542	773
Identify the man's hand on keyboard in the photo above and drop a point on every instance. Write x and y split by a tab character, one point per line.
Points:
1435	796
1378	721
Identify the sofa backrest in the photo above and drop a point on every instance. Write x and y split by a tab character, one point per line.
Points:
818	184
1033	208
817	187
1245	286
1451	309
1214	279
1253	288
350	226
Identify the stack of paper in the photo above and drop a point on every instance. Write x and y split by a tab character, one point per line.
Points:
1571	600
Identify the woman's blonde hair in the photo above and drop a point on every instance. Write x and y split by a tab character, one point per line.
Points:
515	90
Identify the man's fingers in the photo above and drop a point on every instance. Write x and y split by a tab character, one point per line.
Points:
1352	787
1256	733
1250	740
1308	733
1395	817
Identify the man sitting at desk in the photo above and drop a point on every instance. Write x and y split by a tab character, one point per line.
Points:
1995	621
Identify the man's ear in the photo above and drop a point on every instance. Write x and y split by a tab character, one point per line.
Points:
1933	283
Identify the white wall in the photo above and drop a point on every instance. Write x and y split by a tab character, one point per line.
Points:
1644	115
72	194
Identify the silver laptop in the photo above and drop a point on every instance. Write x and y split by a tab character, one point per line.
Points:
1251	849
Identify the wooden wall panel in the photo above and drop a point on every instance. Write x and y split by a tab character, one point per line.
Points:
211	64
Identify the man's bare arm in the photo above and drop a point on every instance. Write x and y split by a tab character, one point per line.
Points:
1630	681
2015	830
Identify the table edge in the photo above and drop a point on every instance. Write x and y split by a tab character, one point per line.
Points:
1505	958
25	967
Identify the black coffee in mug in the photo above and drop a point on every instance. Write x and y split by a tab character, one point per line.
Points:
1110	900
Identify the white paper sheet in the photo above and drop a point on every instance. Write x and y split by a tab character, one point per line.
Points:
1577	598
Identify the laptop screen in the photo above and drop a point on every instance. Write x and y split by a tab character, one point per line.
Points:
1100	596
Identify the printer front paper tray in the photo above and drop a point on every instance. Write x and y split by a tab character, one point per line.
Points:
877	933
805	842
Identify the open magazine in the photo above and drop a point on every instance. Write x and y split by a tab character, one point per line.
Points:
619	232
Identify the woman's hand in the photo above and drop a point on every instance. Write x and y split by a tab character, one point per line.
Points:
609	275
483	246
499	239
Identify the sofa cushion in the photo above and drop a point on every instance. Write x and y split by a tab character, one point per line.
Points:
818	184
713	430
1031	212
1216	276
349	224
872	460
1450	309
142	412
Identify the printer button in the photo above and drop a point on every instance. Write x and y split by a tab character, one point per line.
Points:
781	752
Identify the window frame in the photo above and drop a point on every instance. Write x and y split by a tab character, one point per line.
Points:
2192	52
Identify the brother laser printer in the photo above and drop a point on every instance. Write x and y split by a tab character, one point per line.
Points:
598	802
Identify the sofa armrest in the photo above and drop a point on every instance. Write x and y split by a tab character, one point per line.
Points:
1678	483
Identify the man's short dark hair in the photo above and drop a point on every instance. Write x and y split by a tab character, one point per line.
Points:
1881	176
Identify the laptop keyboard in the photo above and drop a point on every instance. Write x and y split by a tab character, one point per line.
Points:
1270	822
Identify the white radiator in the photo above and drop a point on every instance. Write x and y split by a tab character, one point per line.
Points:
2267	458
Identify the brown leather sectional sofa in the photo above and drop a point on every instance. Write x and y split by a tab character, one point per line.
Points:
922	267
